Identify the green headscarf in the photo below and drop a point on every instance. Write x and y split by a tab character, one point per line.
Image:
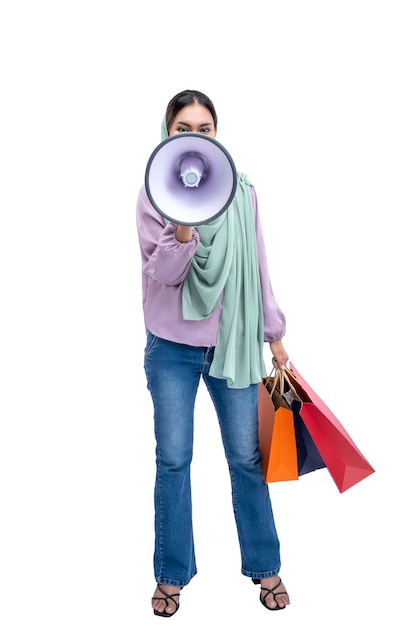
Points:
226	261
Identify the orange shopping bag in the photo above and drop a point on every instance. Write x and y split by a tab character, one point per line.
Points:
277	440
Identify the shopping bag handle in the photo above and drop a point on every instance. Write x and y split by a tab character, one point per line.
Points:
281	376
276	379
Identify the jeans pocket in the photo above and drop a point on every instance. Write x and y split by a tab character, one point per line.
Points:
151	341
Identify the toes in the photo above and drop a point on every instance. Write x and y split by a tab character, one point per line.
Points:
162	600
275	596
164	607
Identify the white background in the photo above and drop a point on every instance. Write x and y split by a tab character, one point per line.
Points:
316	103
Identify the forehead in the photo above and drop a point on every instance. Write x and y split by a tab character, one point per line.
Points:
195	113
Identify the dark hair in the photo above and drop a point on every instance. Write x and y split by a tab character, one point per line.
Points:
185	98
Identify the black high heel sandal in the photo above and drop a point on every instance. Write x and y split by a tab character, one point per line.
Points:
274	593
166	599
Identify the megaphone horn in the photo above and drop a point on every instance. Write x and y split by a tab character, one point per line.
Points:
190	179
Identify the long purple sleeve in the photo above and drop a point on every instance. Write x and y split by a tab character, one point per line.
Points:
165	263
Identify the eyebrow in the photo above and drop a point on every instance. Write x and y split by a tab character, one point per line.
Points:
189	125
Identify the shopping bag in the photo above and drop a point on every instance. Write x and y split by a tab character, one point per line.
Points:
344	461
276	430
309	458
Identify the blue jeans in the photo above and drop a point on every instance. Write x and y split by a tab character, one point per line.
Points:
173	374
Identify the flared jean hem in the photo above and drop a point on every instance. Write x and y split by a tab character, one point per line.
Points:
261	575
163	580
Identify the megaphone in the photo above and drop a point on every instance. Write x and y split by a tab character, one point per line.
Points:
190	179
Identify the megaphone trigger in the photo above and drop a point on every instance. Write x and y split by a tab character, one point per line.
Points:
190	179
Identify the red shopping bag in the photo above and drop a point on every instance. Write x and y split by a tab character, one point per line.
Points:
345	462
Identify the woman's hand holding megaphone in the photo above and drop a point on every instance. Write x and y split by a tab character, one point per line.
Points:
184	234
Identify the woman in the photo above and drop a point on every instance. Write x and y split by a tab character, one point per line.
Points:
208	309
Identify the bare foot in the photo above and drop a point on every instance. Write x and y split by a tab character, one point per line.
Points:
273	593
166	600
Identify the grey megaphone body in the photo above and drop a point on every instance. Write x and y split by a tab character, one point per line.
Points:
190	179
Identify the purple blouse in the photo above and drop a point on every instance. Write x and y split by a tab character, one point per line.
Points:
165	263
